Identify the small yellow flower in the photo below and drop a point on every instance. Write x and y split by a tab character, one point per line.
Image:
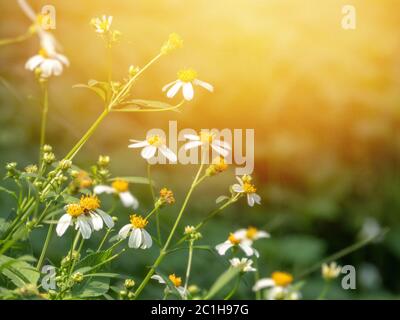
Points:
187	75
174	42
282	279
166	196
138	222
177	281
218	166
89	203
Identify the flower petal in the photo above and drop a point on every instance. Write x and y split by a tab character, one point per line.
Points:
192	144
168	153
123	233
237	188
188	91
204	84
139	144
248	250
222	144
128	200
103	188
263	283
148	152
174	89
147	241
223	247
158	278
220	150
135	240
106	218
97	221
191	137
84	227
165	88
63	224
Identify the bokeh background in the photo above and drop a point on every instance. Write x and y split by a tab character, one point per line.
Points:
324	103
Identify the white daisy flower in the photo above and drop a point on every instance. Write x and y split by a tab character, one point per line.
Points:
150	147
205	139
139	237
86	216
234	242
244	264
278	287
246	187
103	24
48	64
251	233
121	188
176	281
186	79
330	271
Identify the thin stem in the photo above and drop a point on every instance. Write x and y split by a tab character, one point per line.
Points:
189	264
45	247
103	240
256	278
109	62
234	289
152	212
154	201
17	39
325	290
45	110
171	234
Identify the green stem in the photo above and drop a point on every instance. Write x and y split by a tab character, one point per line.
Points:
256	278
154	201
189	264
45	110
325	290
18	39
45	247
103	240
234	289
171	234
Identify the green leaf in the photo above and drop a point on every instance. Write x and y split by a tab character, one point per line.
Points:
11	193
149	104
105	275
221	198
222	281
91	288
18	271
102	89
93	259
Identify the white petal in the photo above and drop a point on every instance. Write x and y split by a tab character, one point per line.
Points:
103	188
240	234
147	241
34	62
191	137
158	278
148	152
263	283
237	188
223	247
139	144
168	153
174	89
63	224
97	221
220	150
192	144
222	144
135	240
123	233
257	198
188	91
63	59
248	250
84	227
128	200
250	199
165	88
262	234
106	217
204	84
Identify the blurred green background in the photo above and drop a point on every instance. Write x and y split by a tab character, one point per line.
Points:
324	103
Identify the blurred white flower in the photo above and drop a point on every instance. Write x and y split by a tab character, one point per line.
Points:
205	139
139	237
176	281
234	242
330	271
121	188
245	186
150	147
244	264
102	24
186	79
278	287
47	64
251	233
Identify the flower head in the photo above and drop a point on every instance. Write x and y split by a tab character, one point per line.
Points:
47	63
246	187
330	271
86	215
139	237
103	24
278	286
121	188
186	79
251	234
174	42
244	264
166	197
235	242
176	281
205	139
218	166
150	147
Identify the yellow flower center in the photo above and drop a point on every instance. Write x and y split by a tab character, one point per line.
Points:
249	188
74	210
138	222
120	185
154	140
89	203
233	239
220	164
282	279
177	281
187	75
44	53
251	232
206	137
247	179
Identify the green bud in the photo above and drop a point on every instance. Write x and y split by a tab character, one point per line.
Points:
129	284
65	164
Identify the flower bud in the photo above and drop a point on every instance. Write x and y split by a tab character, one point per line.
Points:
166	197
77	277
31	168
129	284
47	148
65	164
174	42
133	70
103	161
49	157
